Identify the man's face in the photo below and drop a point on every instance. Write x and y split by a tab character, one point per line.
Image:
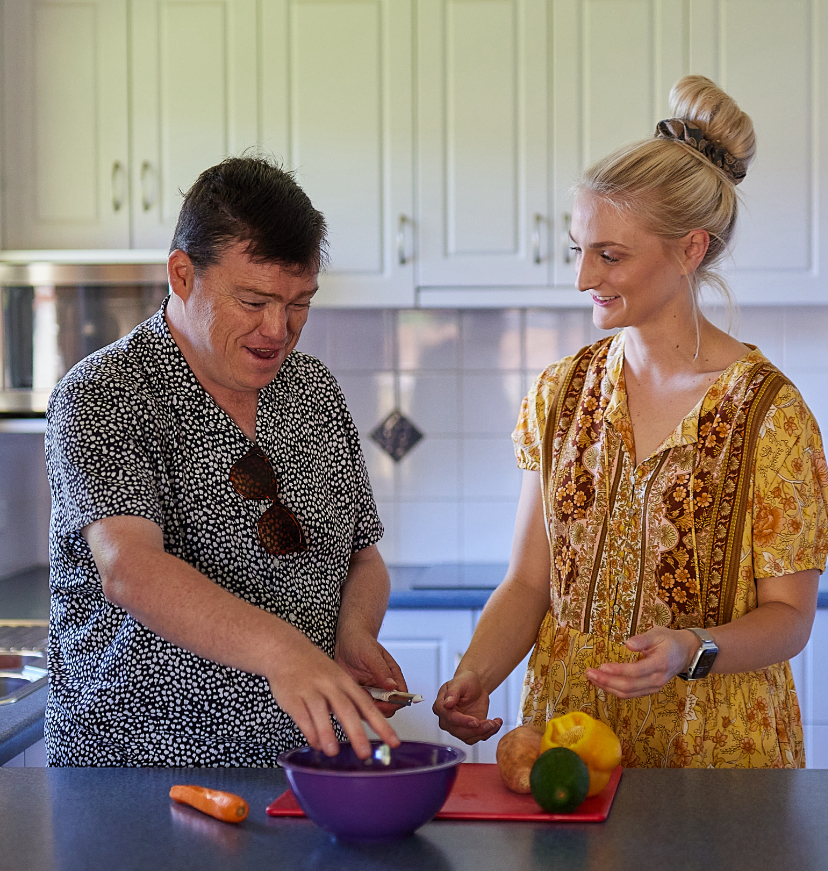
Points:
240	319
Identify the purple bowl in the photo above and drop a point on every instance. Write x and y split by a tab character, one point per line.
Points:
358	800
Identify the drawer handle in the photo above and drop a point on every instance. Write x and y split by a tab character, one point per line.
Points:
536	237
565	240
117	189
146	201
402	258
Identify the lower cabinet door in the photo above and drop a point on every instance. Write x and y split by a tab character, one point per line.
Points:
427	645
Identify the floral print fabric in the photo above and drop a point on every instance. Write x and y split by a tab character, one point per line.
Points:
737	492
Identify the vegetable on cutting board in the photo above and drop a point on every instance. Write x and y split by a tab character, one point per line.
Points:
223	806
559	780
516	754
592	740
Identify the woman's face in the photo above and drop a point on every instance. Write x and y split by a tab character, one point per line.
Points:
633	276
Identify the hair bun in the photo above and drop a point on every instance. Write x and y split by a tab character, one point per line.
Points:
699	100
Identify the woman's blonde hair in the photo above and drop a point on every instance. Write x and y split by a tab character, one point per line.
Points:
671	187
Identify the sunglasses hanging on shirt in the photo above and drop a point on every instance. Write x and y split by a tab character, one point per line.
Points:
252	477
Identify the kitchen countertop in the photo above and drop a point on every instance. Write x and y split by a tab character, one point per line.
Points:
89	819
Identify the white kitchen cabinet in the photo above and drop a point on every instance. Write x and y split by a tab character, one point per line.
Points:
769	54
810	669
427	645
31	757
441	138
482	143
336	104
194	86
65	124
96	149
613	63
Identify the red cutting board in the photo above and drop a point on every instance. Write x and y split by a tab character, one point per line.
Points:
479	794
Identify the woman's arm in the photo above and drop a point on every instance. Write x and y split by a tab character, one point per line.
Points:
777	629
508	625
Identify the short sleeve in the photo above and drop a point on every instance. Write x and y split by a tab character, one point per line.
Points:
97	460
790	491
528	433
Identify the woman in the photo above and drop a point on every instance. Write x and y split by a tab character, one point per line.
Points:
674	498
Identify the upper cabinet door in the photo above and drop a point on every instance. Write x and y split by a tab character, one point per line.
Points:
65	124
337	109
614	62
766	54
194	101
482	143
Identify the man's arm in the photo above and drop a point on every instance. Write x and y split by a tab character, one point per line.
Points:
364	602
177	602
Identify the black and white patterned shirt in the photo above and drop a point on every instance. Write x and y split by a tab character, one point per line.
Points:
130	431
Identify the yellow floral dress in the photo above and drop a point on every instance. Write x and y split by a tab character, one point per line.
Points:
737	492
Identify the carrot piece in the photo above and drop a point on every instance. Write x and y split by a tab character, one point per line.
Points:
222	805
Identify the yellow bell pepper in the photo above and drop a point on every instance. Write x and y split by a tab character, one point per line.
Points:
591	739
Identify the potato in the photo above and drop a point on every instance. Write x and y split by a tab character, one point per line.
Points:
516	754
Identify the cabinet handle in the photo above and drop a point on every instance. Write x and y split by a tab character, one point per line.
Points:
117	189
536	237
402	259
146	201
565	240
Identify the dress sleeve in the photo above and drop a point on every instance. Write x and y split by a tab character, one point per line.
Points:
790	491
528	433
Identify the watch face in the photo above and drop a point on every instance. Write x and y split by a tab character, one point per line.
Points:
705	663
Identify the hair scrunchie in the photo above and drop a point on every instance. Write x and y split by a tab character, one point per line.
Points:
692	135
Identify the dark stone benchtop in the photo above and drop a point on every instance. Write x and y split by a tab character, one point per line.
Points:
444	586
682	820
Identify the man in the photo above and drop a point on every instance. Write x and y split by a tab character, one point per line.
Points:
216	586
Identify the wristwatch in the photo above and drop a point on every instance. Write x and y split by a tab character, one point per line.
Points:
705	656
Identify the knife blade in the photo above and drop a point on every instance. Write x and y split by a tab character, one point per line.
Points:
394	697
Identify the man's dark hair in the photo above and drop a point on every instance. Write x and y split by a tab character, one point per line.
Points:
251	199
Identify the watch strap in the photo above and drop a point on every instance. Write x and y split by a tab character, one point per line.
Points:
707	646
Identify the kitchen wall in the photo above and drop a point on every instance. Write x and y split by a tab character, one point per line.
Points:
459	377
24	502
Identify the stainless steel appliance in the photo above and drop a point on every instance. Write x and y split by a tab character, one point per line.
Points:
56	313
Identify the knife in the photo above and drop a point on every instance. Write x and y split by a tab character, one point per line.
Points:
393	696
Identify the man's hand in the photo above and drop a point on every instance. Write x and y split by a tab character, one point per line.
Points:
370	665
364	600
462	705
308	686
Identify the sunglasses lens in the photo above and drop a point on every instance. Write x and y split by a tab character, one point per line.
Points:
279	532
253	478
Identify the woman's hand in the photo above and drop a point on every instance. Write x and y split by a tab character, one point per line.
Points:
462	705
662	654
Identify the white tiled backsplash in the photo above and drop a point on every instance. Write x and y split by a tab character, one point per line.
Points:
459	376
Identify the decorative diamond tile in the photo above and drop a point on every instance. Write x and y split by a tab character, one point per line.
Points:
396	435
